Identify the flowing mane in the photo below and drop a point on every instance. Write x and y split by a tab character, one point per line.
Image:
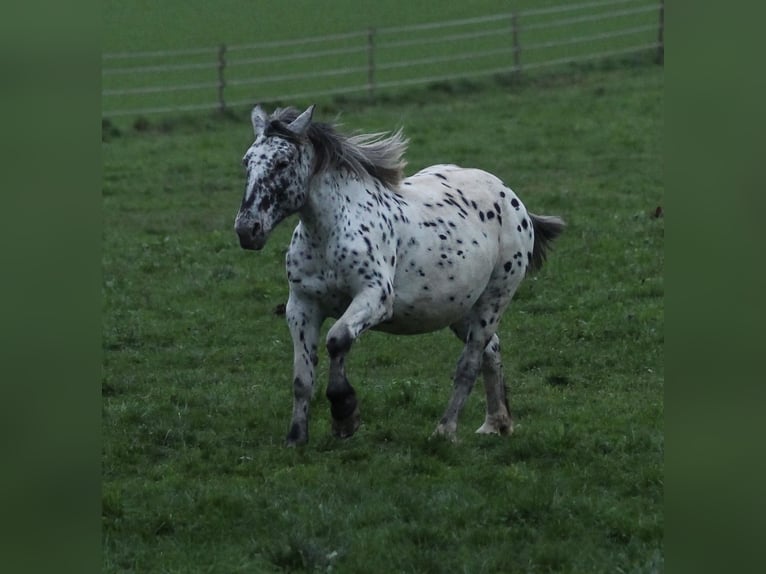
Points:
379	155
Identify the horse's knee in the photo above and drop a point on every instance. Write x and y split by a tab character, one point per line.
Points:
339	340
302	390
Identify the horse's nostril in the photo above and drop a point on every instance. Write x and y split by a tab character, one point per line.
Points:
256	228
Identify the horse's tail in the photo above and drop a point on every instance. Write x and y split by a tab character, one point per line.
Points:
547	228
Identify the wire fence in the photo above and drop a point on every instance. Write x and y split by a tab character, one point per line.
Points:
377	59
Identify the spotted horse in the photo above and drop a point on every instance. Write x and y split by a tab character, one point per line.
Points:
445	247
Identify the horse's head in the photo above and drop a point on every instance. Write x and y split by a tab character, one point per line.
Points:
278	164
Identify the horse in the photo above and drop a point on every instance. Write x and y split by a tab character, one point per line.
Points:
445	247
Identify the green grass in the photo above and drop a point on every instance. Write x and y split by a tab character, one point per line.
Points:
176	24
197	364
338	64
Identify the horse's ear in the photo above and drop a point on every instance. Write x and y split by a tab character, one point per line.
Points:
259	119
300	125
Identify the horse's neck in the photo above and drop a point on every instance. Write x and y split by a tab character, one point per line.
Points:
329	197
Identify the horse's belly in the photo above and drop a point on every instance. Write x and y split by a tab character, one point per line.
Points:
413	324
430	307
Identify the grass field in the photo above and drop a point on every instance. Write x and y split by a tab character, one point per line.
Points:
176	24
197	364
161	56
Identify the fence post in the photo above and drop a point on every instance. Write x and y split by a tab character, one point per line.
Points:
516	43
371	62
661	35
221	79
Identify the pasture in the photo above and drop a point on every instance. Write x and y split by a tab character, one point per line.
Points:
197	359
200	56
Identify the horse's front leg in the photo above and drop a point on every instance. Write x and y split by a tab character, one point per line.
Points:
304	320
366	310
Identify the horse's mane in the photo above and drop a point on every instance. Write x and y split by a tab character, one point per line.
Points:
379	155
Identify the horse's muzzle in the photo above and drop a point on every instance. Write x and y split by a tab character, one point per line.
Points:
251	236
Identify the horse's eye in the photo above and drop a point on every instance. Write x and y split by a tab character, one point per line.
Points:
281	164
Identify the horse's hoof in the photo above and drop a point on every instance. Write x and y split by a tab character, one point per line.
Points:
499	426
297	436
446	432
294	444
345	428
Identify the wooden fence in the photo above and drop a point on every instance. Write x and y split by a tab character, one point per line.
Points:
377	59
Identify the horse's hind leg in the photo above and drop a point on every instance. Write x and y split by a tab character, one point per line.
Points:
465	376
498	419
481	352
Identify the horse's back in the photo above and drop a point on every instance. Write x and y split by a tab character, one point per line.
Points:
474	201
471	181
